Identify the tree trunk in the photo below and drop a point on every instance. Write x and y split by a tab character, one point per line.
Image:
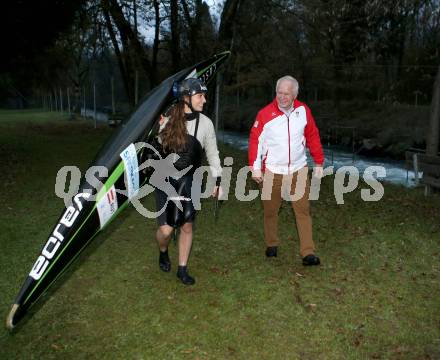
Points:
227	24
130	42
432	138
191	31
153	72
135	18
122	66
175	38
336	73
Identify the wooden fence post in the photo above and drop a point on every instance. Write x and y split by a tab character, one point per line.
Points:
94	102
416	169
84	97
68	100
61	101
113	96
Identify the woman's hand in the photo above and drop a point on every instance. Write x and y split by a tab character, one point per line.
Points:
217	192
257	176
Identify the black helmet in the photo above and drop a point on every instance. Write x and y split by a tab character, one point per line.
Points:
190	87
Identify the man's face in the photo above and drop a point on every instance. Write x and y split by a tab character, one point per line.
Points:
285	94
197	101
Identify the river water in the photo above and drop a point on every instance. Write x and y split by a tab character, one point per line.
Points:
395	170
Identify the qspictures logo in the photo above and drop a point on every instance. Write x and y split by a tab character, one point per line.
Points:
346	180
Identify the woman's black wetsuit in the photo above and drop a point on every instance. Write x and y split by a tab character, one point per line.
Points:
184	186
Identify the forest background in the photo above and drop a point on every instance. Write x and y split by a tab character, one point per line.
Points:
363	65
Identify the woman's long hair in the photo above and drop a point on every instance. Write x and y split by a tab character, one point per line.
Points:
173	136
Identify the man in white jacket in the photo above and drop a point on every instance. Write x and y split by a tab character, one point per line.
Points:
277	156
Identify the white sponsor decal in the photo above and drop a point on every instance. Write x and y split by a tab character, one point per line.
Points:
131	166
107	206
179	198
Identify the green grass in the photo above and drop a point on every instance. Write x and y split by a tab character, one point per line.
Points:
376	295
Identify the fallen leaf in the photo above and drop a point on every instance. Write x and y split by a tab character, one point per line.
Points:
356	342
187	351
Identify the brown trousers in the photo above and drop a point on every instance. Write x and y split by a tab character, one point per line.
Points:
294	188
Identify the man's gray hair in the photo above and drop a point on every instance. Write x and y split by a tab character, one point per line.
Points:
292	80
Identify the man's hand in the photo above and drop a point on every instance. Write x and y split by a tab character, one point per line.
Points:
318	171
257	176
217	192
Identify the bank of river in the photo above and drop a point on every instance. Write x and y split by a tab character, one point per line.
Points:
395	170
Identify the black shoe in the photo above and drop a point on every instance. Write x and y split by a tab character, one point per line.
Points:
271	251
311	260
184	277
164	261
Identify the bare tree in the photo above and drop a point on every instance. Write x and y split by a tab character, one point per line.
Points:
175	36
228	23
122	60
133	54
157	21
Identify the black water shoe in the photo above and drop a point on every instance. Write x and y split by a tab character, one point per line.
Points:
184	277
271	251
310	260
164	261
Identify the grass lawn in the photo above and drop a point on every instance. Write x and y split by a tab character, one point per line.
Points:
375	296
